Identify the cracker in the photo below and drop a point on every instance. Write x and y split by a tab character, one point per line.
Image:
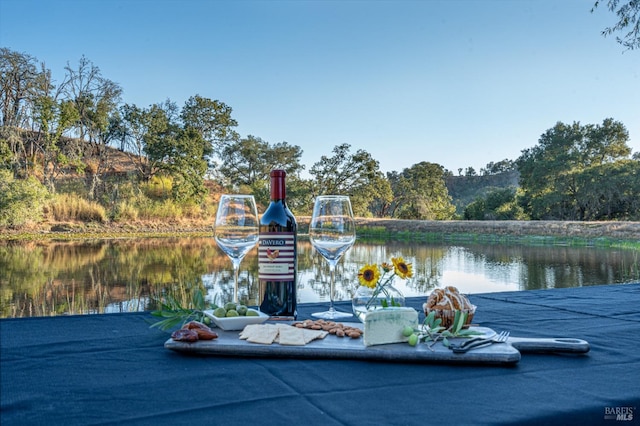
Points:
283	334
311	335
248	329
291	336
265	334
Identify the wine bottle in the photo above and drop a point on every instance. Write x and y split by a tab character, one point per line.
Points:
278	254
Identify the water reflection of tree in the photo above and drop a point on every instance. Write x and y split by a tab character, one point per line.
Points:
425	258
544	267
74	277
345	277
52	278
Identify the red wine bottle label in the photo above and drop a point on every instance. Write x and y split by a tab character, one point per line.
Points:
276	251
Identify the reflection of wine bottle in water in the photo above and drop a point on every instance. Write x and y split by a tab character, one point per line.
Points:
278	254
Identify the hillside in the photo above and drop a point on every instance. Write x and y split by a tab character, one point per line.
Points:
465	189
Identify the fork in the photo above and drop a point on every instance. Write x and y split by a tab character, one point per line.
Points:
466	346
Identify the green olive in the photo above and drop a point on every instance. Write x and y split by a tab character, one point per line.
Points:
413	339
232	313
407	331
252	313
220	312
229	306
242	310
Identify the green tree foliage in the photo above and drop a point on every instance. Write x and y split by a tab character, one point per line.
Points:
246	165
94	96
504	166
178	152
188	165
576	172
628	14
130	128
467	189
420	193
21	200
96	99
553	173
499	204
10	138
141	133
249	161
211	118
357	175
609	191
53	119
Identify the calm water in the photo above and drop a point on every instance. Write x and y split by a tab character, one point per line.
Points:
53	278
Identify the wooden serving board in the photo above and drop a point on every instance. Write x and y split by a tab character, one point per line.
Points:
332	347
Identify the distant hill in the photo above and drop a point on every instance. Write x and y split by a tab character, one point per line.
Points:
465	189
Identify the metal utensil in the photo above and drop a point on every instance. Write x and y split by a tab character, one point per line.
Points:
479	342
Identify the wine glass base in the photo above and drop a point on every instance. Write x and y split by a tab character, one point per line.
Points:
331	315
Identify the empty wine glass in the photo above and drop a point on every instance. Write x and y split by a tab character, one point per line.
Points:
236	230
332	232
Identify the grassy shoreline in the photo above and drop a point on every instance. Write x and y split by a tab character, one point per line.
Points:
605	234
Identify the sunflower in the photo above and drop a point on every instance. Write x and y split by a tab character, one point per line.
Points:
401	268
369	275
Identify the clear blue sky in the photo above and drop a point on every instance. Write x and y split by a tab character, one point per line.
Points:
458	83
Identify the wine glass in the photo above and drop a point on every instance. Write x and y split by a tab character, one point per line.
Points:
332	232
236	230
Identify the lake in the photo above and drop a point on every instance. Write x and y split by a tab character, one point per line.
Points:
122	275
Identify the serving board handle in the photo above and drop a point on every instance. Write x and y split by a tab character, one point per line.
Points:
551	344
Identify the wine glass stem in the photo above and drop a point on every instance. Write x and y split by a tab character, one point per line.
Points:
236	273
332	284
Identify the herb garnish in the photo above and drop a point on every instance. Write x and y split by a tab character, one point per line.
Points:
432	331
174	314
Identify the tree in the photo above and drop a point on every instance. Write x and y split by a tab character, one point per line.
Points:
176	151
18	76
162	129
95	98
492	168
212	119
498	204
250	160
357	175
550	172
628	15
53	119
135	128
420	193
609	191
246	165
188	165
20	79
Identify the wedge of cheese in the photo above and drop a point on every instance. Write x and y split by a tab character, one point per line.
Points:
385	325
